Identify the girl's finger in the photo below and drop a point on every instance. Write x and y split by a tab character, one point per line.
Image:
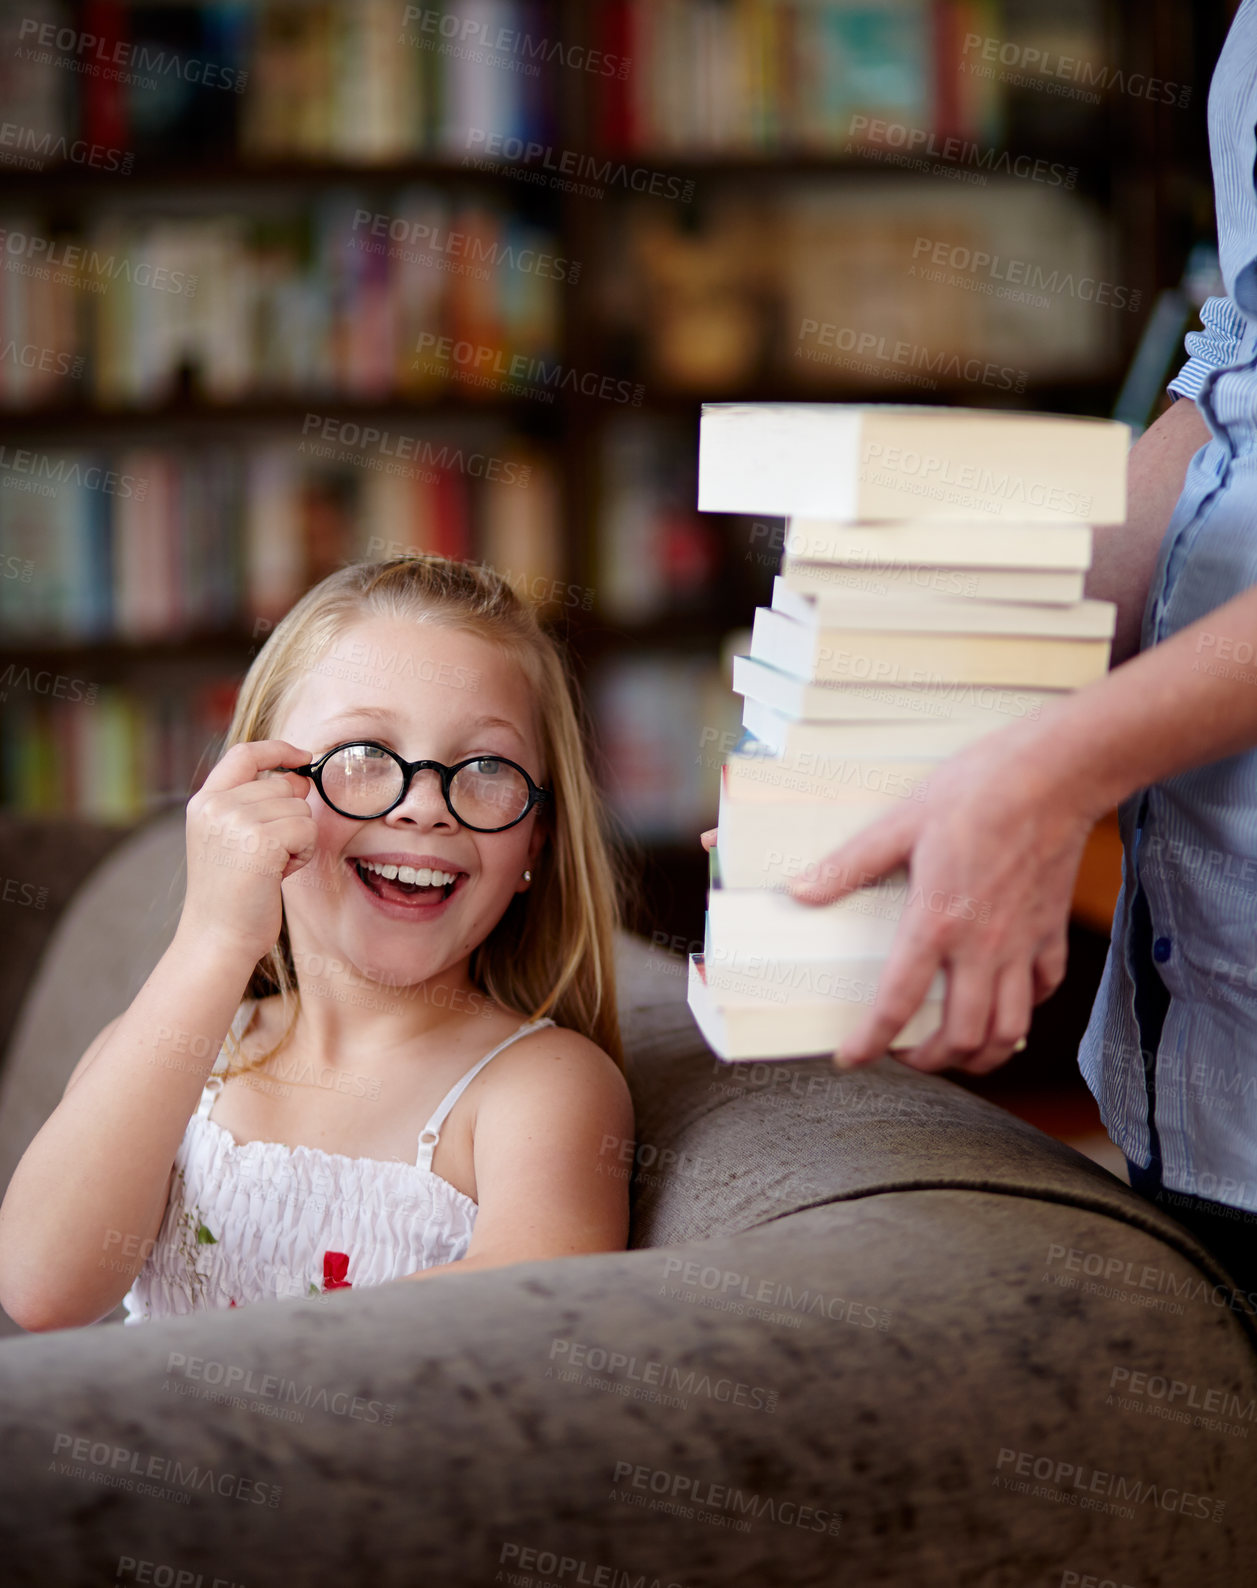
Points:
266	786
708	839
280	808
244	762
300	837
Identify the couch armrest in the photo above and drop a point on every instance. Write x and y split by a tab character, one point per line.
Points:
695	1415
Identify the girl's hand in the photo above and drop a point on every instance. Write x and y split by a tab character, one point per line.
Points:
247	831
708	839
992	854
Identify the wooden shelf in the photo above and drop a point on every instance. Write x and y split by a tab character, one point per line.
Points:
763	165
523	413
44	651
74	181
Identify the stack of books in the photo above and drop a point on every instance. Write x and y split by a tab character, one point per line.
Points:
930	594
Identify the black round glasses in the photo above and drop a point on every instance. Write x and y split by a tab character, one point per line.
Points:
363	780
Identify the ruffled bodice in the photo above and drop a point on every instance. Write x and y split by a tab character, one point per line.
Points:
258	1220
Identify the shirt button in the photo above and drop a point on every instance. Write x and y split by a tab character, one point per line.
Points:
1161	950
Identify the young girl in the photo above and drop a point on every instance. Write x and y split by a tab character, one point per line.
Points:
383	1040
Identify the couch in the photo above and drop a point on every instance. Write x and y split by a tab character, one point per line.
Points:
870	1329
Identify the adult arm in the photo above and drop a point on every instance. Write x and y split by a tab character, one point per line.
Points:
1124	555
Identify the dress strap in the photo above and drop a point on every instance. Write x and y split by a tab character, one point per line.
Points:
214	1081
431	1132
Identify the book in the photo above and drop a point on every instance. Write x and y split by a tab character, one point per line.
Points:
794	741
907	656
962	544
742	921
752	772
850	702
760	1028
770	843
785	982
879	577
1082	620
889	461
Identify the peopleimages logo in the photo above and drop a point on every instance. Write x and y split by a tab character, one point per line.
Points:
639	1377
347	441
922	144
48	360
683	1494
42	475
541	162
118	1467
41	147
1075	1483
455	251
77	264
924	474
1022	280
474	39
1025	65
876	354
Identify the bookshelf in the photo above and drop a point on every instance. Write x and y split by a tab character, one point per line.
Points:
350	191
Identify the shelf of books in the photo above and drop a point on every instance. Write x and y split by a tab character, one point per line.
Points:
285	284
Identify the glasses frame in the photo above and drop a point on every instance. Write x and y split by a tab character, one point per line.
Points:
314	771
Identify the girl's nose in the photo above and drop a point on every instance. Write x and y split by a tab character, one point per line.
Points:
424	805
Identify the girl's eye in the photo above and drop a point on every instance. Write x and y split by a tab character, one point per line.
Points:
487	765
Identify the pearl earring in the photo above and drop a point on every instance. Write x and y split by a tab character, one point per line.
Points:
528	876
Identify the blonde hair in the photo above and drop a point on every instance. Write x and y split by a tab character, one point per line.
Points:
552	952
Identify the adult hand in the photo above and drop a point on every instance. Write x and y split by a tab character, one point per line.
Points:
992	854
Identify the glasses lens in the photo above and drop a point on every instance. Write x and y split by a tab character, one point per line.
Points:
362	780
488	793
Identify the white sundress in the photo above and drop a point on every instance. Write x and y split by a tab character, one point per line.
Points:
258	1220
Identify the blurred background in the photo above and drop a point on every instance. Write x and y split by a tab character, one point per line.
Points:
288	284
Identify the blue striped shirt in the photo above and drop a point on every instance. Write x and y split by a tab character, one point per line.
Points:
1190	842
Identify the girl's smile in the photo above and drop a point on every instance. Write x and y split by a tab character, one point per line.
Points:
406	886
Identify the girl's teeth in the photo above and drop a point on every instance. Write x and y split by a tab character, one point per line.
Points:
422	876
